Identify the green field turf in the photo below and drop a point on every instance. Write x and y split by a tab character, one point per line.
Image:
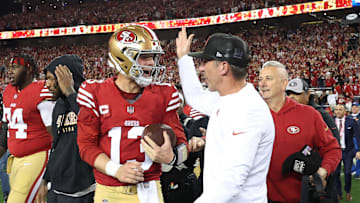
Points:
355	190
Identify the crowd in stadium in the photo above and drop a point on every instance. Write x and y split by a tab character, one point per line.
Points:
42	16
317	53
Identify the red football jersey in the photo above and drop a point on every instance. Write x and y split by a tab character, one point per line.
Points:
109	124
193	113
27	133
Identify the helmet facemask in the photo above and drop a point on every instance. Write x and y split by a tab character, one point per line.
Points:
146	75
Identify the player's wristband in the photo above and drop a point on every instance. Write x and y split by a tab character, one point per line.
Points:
111	168
173	160
181	153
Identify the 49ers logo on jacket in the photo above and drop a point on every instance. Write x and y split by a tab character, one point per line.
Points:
126	36
293	130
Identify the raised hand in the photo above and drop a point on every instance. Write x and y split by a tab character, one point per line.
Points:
65	80
183	43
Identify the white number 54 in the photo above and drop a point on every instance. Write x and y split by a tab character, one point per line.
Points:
16	121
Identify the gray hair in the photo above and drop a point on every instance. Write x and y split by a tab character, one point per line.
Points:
273	64
281	67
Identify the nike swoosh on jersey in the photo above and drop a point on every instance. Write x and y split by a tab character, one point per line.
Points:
237	133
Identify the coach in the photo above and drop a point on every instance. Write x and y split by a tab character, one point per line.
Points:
240	132
296	126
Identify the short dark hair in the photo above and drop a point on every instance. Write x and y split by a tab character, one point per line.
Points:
31	61
239	73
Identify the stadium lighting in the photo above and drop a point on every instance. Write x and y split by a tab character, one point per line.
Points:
243	16
352	16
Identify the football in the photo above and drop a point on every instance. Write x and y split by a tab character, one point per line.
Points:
155	132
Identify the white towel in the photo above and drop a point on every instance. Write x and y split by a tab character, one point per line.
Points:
147	192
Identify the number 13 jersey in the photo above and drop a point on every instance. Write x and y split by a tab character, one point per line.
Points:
109	124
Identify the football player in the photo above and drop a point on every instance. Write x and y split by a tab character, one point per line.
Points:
27	112
114	112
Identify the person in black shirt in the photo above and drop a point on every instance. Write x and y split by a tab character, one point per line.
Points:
72	179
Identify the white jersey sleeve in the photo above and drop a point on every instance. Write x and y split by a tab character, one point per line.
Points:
46	108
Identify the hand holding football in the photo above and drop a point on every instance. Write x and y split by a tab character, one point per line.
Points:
155	132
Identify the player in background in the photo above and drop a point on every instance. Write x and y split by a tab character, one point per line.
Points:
114	112
72	179
27	112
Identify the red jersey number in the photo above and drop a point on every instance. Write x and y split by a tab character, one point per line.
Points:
16	122
133	133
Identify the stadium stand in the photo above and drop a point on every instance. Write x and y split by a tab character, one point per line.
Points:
35	14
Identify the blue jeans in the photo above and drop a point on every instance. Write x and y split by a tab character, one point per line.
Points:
3	175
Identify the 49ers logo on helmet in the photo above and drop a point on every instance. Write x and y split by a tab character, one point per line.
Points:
126	36
293	130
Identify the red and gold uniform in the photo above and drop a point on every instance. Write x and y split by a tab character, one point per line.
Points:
108	123
27	133
193	113
28	140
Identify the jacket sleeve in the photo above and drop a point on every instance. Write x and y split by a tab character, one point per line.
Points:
357	133
74	106
327	145
331	123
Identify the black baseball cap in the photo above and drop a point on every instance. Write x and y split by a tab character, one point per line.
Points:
225	47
